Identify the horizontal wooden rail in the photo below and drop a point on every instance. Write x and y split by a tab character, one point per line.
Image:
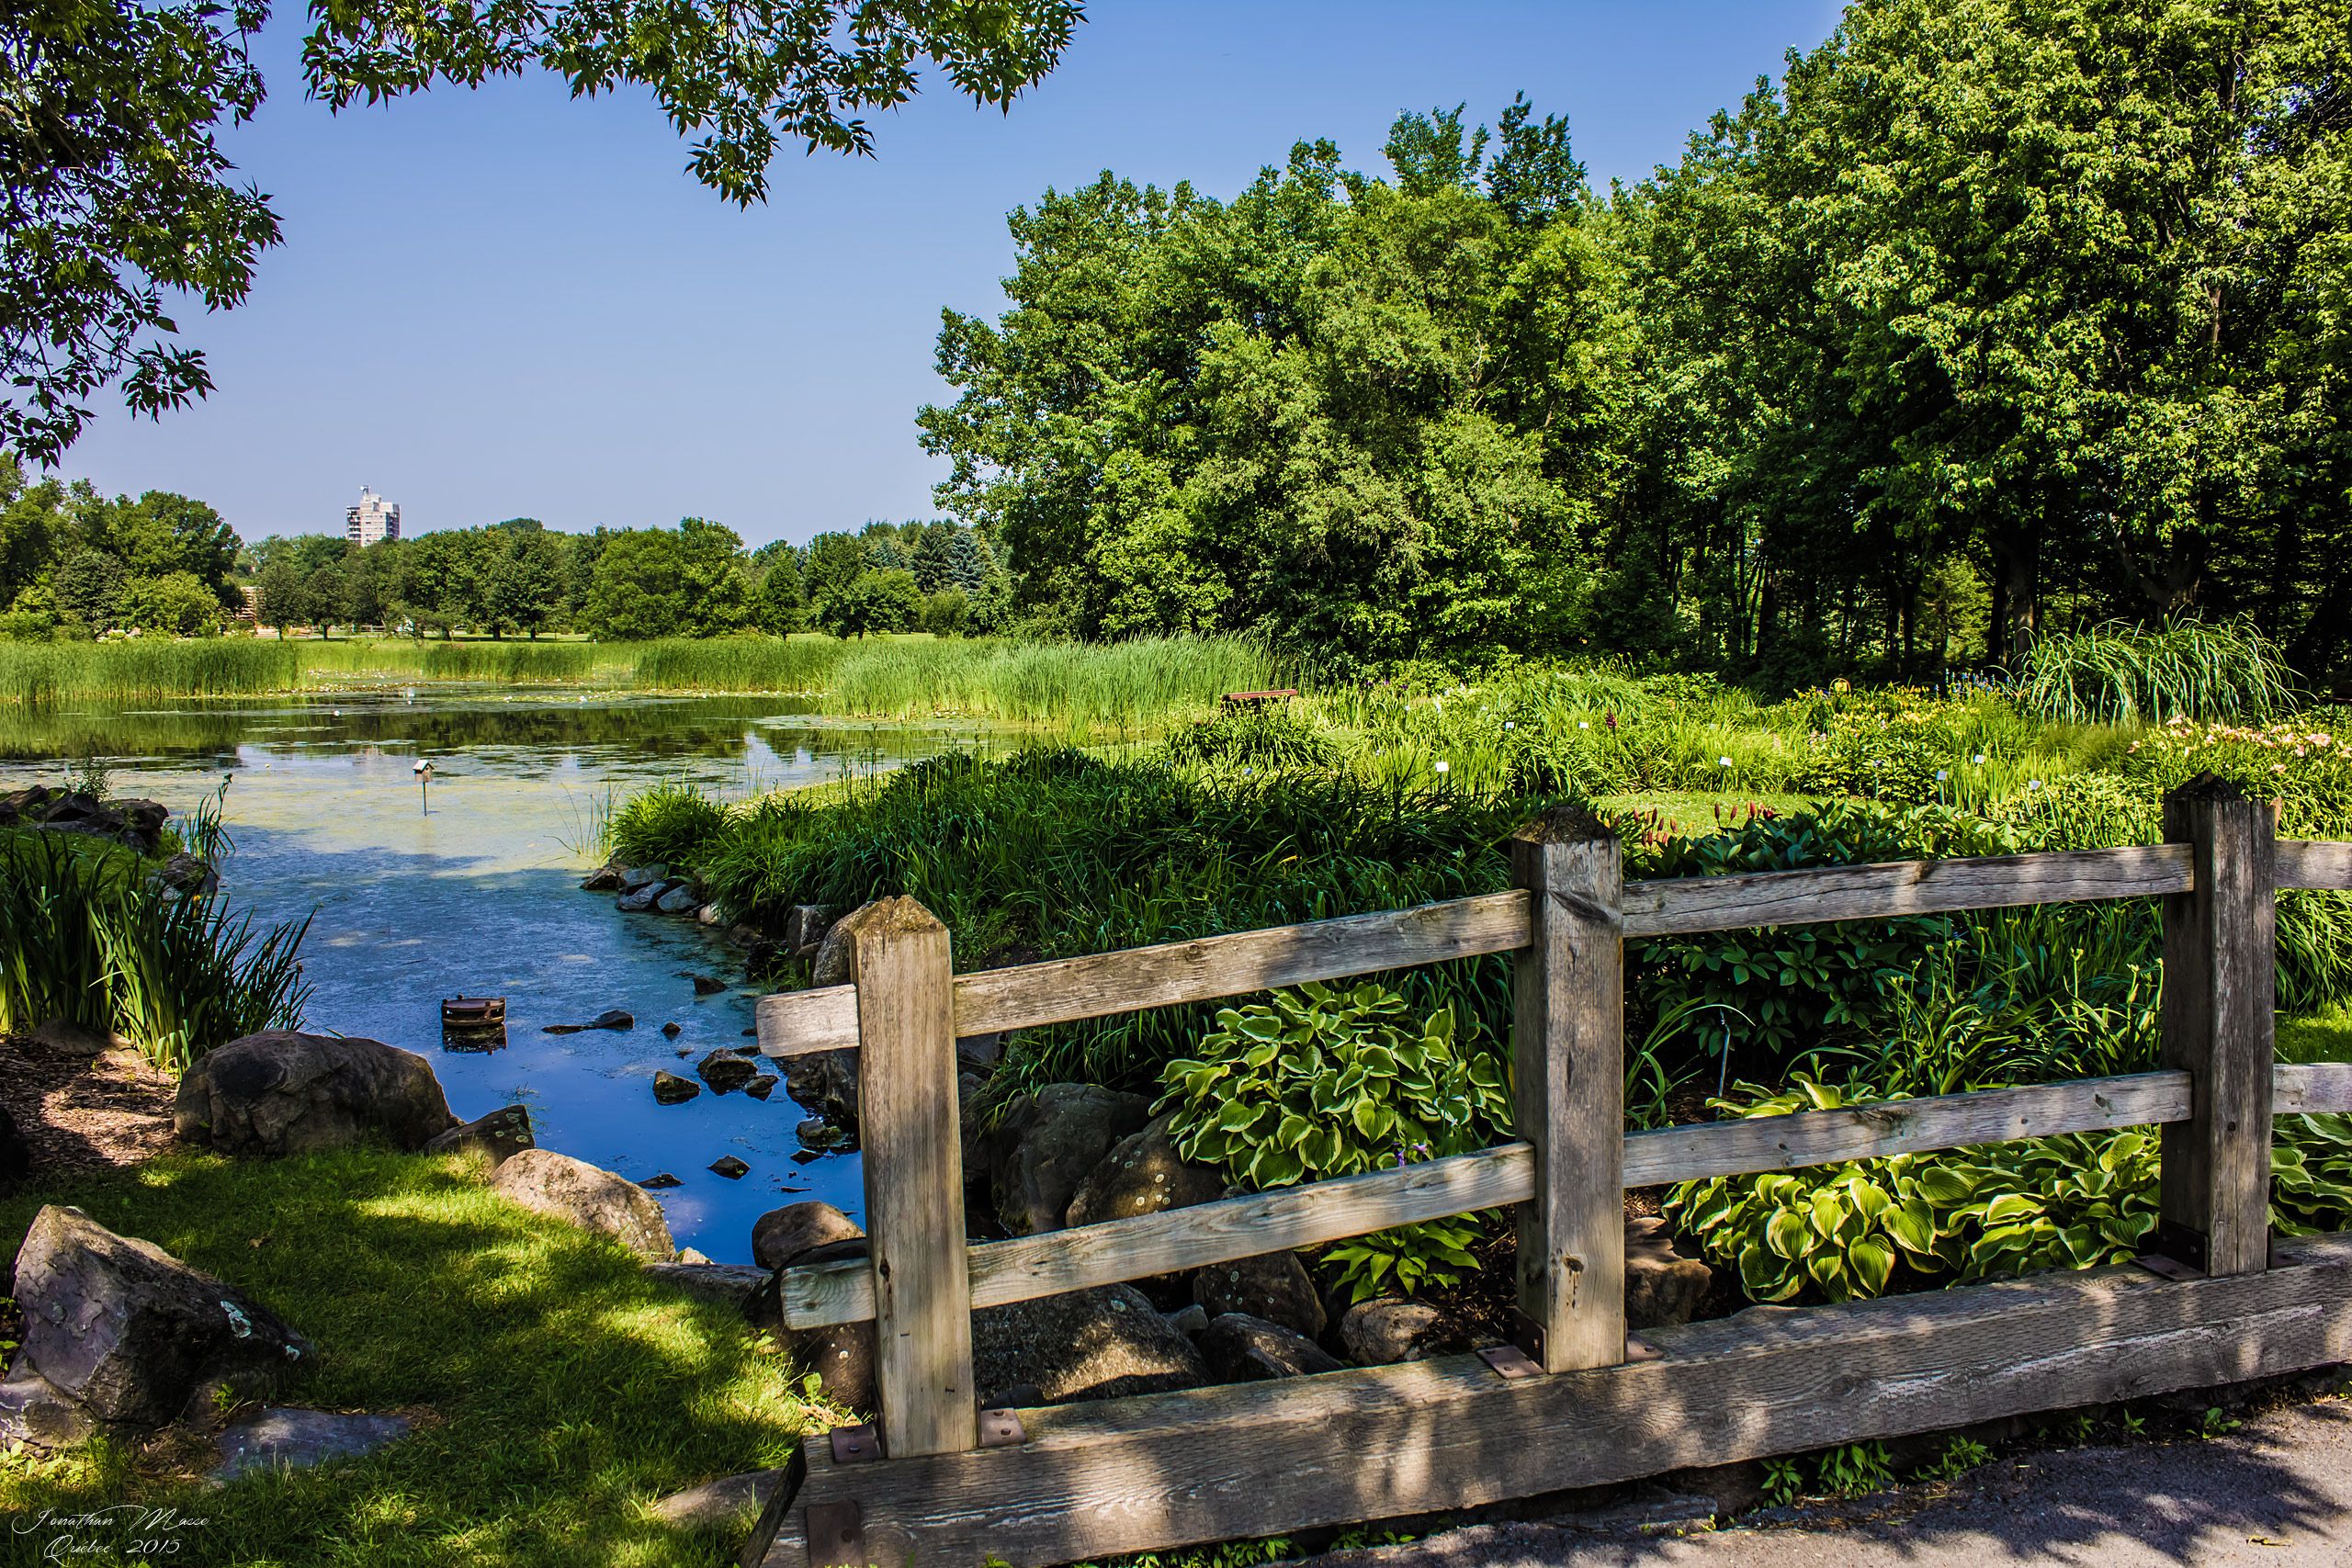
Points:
1901	888
2308	862
988	1002
2308	1087
1230	1228
1753	1143
1099	1478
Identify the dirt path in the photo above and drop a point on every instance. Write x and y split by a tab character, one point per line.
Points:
2277	1492
84	1111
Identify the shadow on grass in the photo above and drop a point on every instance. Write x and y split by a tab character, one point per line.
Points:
556	1386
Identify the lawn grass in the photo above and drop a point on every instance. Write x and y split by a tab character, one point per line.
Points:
558	1387
2325	1036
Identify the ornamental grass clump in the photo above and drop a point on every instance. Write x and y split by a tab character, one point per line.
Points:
2117	673
1324	1081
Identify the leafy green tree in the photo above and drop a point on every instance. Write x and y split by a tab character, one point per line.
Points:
525	579
783	605
834	561
178	603
654	582
119	196
284	596
877	602
326	595
947	613
87	585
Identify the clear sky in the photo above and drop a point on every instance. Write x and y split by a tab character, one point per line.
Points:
506	303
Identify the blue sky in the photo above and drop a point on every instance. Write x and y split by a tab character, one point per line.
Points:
506	303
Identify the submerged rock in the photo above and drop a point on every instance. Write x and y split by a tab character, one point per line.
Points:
725	1069
122	1336
671	1090
664	1180
611	1018
762	1085
730	1167
703	985
551	1183
281	1092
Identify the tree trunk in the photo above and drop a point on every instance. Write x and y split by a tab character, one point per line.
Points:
2016	585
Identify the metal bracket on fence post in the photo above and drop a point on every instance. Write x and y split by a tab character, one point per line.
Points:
856	1445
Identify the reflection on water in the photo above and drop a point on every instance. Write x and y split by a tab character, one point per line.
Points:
478	897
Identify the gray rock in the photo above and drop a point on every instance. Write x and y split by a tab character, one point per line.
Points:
726	1069
1273	1287
681	899
502	1133
1098	1343
730	1167
671	1030
1190	1320
1662	1287
280	1093
632	878
731	1502
1393	1328
671	1090
816	1133
1241	1349
605	878
598	1200
611	1018
1050	1142
1142	1174
730	1284
296	1439
711	915
120	1334
806	926
760	1085
782	1235
830	965
663	1180
703	985
640	900
183	872
825	1083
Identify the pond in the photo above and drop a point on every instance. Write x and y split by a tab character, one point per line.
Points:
479	895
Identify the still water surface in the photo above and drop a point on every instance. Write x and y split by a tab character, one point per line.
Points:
480	895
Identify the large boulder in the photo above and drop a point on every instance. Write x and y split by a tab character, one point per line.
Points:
1241	1349
1662	1287
638	900
551	1183
1097	1344
782	1235
830	965
1143	1173
121	1336
497	1137
632	878
281	1092
681	899
1274	1288
1050	1142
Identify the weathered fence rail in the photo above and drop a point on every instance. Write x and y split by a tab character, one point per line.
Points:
1136	1475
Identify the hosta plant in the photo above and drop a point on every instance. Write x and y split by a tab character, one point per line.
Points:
1323	1081
2311	1175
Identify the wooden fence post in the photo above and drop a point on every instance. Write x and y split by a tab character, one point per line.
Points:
914	1180
1569	1067
2221	969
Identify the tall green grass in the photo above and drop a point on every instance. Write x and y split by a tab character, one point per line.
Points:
42	674
2118	674
87	936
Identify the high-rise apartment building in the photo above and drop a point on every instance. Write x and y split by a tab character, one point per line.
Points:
374	518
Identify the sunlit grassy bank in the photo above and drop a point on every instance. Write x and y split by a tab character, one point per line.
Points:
556	1388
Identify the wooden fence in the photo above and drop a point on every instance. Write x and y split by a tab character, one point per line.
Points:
942	1482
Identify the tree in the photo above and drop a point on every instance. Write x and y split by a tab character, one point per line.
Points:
284	600
526	577
326	596
118	193
177	603
877	602
87	584
654	582
784	607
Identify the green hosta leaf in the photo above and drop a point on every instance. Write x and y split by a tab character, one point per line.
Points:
1873	1263
1785	1233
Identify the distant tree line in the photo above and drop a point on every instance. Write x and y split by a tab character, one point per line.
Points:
1992	315
521	577
74	563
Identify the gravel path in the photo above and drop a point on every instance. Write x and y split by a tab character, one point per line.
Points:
2277	1492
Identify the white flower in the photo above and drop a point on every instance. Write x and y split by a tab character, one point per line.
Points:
1725	762
1943	774
1445	767
1980	759
2033	783
1509	725
1584	724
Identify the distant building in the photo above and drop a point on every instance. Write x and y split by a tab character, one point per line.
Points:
374	518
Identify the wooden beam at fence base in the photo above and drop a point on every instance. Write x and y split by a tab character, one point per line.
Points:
2308	862
1901	1127
1904	887
1026	1267
1376	1442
